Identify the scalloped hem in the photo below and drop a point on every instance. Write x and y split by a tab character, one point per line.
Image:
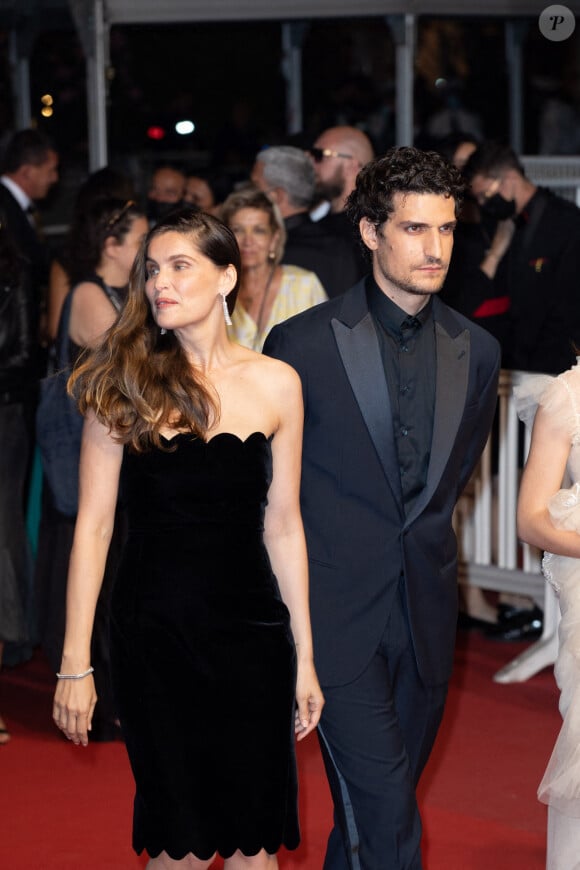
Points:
248	851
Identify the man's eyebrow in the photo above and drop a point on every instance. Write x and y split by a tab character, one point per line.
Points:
412	223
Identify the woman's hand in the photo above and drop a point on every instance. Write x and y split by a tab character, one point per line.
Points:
309	700
74	704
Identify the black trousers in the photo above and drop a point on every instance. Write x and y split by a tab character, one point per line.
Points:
376	735
16	604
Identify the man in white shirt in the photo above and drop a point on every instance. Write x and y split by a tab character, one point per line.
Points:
29	170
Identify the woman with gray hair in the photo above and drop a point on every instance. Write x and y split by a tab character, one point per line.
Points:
269	292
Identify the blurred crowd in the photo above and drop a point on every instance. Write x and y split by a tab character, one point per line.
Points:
514	271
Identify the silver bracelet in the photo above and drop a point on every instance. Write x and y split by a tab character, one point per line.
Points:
75	676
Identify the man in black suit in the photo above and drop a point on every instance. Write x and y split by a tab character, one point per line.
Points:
29	170
399	394
531	265
286	174
337	155
533	262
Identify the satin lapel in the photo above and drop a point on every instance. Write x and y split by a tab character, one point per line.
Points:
450	395
361	357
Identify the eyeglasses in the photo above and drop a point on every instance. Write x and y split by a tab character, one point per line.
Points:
318	154
119	215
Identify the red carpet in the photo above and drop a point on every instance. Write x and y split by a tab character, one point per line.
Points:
65	808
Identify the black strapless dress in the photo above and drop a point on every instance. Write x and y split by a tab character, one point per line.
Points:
203	659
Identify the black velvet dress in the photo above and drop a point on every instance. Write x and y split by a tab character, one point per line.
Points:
203	658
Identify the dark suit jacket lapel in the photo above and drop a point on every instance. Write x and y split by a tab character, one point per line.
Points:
359	350
453	346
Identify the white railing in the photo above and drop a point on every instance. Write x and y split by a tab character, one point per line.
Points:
561	174
491	556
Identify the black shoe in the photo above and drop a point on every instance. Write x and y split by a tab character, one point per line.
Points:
508	612
465	622
520	624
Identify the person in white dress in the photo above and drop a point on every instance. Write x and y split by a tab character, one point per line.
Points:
549	518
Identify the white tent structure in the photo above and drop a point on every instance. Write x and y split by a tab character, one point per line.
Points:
93	19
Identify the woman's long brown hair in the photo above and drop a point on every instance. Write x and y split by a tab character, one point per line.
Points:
138	381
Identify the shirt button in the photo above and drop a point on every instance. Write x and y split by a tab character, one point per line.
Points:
404	390
404	348
404	431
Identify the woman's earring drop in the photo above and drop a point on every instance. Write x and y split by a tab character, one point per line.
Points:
227	317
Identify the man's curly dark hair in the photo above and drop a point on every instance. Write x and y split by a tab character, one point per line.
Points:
401	170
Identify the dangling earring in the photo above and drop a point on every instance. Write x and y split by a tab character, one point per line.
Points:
227	317
271	256
162	331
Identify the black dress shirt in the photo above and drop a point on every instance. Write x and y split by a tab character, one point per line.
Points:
408	352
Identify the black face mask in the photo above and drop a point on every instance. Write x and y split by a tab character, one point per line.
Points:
498	207
157	210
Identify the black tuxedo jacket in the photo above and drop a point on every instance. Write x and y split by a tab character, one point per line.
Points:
26	240
359	539
309	245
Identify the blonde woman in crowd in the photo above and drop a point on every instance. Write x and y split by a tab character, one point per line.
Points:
269	292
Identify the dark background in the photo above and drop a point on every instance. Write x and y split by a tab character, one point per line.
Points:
227	78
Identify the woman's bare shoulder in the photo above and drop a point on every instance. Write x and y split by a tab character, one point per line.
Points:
88	293
84	287
274	372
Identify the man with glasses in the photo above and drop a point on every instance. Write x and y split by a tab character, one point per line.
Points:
338	155
533	260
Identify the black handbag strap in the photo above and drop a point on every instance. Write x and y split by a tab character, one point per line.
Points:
59	357
114	296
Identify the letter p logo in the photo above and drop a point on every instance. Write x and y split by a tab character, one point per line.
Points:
557	23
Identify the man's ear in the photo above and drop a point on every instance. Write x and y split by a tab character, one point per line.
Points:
276	195
511	183
368	232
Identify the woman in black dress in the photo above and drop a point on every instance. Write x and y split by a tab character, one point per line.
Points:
210	630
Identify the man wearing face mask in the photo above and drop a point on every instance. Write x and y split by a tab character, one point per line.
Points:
530	272
166	191
532	262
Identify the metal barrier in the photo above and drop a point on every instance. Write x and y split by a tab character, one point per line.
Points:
490	555
561	174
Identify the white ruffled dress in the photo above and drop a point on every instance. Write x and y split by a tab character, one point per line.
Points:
560	396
